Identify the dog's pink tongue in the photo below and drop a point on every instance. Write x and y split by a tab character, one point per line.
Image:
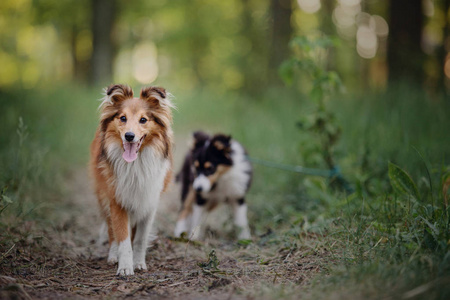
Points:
130	153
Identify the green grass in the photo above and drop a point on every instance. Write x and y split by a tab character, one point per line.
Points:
383	243
45	135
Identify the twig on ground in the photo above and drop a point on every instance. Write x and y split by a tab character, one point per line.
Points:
7	252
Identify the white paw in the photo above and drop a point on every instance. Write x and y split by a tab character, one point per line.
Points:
125	255
244	234
125	267
112	256
112	260
140	266
180	228
125	271
178	233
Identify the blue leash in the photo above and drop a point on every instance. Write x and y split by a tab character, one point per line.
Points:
331	174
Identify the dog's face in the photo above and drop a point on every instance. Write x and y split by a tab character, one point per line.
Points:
211	158
133	121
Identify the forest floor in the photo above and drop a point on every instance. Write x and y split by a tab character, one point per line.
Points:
64	259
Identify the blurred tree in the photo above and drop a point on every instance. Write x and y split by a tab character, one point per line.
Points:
405	56
76	28
281	34
253	64
329	29
103	17
327	25
198	40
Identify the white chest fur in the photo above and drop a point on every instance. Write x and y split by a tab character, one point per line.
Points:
138	184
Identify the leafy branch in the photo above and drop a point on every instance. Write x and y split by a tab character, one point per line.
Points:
310	59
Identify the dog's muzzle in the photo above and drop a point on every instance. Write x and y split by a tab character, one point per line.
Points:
202	184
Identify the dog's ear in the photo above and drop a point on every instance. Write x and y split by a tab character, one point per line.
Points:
221	143
199	139
117	92
157	96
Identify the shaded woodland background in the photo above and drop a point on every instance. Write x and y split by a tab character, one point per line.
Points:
228	45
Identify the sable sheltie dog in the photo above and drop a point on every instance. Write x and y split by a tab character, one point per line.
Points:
215	170
131	163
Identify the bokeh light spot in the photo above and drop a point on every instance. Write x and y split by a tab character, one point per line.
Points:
309	6
145	65
366	42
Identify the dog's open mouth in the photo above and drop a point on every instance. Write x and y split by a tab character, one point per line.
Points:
131	150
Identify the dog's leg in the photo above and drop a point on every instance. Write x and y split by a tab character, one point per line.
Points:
197	222
198	213
140	242
183	224
240	219
112	256
102	235
184	219
121	229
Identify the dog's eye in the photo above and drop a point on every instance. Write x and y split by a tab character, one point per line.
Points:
143	120
123	118
209	170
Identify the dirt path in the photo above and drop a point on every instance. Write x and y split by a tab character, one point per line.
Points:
63	260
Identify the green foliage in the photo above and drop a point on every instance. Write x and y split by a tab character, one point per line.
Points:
46	134
390	239
5	201
211	264
402	182
310	59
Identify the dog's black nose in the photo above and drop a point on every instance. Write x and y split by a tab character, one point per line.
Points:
199	189
129	136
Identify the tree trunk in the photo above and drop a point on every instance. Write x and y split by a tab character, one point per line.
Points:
80	68
329	29
327	25
103	16
281	33
253	64
405	56
198	43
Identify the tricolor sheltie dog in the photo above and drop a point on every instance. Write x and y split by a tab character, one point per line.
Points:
215	170
131	163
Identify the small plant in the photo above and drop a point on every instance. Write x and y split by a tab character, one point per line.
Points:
311	60
429	226
401	182
211	265
22	132
25	166
5	201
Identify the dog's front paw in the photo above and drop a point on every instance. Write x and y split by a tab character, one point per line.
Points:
125	270
180	228
112	260
112	256
125	265
140	266
244	234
